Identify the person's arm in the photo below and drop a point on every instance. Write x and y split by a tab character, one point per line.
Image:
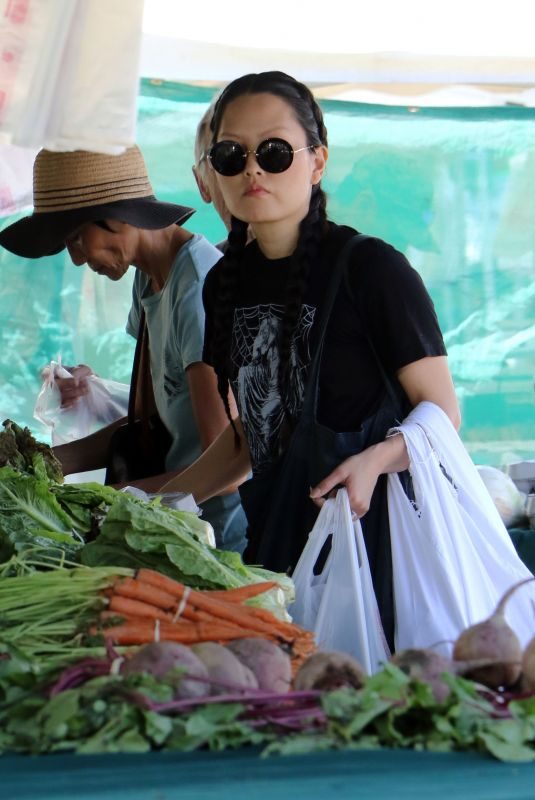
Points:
221	466
208	408
426	379
88	453
212	421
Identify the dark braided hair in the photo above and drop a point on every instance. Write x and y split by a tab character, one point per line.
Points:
311	231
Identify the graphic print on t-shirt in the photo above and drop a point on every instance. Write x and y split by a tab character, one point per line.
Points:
255	354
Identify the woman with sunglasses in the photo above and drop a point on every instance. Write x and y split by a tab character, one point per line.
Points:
303	421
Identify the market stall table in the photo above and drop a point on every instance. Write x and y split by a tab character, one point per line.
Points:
392	774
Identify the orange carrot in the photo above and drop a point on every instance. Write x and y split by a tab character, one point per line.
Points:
128	607
242	593
160	581
270	618
142	631
229	612
138	590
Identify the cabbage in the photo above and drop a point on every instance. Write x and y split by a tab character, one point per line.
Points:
508	500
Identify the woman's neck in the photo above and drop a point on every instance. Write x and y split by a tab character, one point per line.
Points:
158	251
276	239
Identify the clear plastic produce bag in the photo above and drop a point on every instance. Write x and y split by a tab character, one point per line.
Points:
104	402
339	603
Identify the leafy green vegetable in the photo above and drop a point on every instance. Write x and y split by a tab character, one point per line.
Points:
20	450
30	515
135	533
97	526
120	714
44	615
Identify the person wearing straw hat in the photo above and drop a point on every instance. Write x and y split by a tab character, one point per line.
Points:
102	208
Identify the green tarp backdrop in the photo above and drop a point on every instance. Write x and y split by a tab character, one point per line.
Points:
452	188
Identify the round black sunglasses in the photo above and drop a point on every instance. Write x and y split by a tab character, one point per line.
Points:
273	155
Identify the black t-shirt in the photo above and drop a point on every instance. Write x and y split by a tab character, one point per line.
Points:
387	302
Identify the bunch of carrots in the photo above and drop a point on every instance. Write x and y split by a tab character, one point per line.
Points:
153	607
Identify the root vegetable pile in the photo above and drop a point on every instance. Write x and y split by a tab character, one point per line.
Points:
153	607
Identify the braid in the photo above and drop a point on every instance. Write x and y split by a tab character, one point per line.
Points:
228	285
311	232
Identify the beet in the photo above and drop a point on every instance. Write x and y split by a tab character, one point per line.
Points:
326	671
159	658
495	640
426	666
224	668
269	663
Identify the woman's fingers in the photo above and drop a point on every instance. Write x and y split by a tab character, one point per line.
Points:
72	389
80	371
358	478
328	485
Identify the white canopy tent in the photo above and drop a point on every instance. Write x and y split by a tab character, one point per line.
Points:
459	53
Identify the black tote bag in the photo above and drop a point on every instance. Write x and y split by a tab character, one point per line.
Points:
138	448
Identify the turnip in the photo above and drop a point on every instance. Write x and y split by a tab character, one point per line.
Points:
271	666
528	666
159	658
326	671
224	669
495	640
426	666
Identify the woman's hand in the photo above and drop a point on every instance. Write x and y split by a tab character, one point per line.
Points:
426	379
358	474
71	389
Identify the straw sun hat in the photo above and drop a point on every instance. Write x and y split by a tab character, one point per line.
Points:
72	188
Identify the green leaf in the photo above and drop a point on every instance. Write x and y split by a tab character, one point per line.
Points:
205	721
299	744
508	748
157	727
30	513
57	714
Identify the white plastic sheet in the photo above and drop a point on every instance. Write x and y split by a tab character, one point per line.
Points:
69	73
16	167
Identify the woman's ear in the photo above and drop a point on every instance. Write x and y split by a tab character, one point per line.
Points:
321	154
203	188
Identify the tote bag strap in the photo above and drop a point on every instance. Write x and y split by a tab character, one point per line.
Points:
384	375
308	410
140	374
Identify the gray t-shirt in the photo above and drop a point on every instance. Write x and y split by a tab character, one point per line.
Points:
175	324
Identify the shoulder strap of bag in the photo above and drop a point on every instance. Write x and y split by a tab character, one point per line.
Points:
384	375
140	373
339	271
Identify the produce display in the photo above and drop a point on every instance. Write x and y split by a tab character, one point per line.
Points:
123	630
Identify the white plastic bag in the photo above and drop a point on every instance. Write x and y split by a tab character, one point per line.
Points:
339	604
452	556
105	402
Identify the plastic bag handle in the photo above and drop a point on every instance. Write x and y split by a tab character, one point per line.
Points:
319	534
